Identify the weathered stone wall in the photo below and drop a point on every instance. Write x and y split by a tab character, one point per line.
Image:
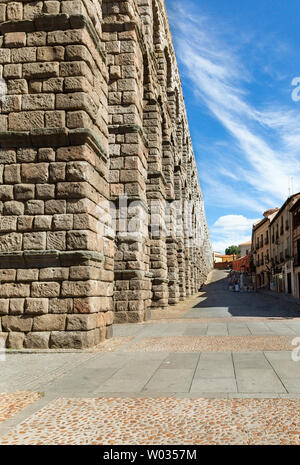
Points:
93	119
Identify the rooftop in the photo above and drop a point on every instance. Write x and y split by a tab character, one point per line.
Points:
245	243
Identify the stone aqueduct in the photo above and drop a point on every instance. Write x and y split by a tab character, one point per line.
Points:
93	116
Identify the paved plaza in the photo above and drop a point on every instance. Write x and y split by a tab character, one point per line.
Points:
216	369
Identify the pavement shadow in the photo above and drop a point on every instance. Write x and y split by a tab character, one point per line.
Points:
217	300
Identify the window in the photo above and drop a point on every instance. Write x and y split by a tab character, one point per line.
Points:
289	246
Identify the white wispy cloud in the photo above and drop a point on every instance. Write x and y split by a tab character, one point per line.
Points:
266	139
237	222
231	230
226	196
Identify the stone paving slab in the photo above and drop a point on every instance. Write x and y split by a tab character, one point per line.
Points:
249	360
160	421
214	326
66	374
196	330
282	328
292	385
238	329
87	375
35	370
214	385
168	380
258	380
215	367
87	381
131	377
217	329
180	361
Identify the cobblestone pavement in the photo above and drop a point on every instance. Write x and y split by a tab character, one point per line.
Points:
217	369
212	344
161	421
12	403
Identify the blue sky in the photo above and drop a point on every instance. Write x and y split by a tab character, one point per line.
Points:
237	61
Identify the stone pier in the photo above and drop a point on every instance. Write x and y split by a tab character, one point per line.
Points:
101	212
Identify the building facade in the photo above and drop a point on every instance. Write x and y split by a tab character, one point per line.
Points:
245	248
281	231
261	250
102	217
242	264
276	248
295	223
217	257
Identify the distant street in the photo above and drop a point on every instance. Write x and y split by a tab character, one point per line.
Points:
215	369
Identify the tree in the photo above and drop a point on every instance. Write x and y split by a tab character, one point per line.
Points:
232	250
